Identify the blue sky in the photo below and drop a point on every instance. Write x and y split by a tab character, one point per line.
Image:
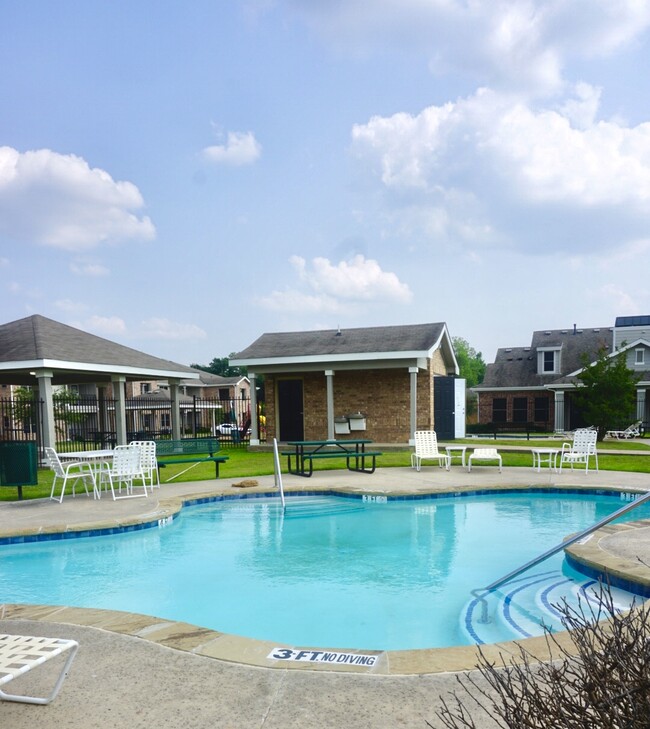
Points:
182	177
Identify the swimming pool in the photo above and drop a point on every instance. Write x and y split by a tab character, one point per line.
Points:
328	572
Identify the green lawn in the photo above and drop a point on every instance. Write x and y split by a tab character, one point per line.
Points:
242	464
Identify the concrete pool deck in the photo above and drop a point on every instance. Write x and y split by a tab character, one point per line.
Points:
140	671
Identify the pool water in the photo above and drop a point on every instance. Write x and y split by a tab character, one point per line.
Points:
328	572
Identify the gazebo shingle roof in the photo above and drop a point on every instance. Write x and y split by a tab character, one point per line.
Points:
39	340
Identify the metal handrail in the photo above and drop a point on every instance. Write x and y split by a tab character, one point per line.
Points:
277	472
485	591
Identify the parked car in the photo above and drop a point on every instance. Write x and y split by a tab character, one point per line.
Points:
227	428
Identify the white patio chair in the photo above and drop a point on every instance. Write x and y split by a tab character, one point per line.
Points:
484	454
426	447
581	450
632	431
73	471
20	653
148	462
123	471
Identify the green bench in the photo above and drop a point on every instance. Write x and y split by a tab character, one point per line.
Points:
189	450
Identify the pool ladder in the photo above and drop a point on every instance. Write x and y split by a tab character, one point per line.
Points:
481	593
277	472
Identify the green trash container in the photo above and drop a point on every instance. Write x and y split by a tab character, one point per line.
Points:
18	464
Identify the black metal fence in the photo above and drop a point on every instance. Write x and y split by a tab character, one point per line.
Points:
82	422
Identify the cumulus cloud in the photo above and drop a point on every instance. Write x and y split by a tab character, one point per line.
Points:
86	268
160	328
103	326
330	288
60	201
505	43
487	167
240	148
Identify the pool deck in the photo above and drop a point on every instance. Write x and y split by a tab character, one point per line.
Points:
142	671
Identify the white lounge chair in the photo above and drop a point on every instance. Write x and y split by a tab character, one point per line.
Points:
124	470
632	431
581	450
426	447
20	653
148	461
484	454
74	471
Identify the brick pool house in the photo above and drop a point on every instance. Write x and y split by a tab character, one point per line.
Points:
382	383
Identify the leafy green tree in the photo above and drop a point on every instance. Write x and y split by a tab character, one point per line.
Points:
471	364
472	370
220	366
606	391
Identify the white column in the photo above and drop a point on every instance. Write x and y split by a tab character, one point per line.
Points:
120	408
255	434
174	394
413	371
559	411
329	378
44	378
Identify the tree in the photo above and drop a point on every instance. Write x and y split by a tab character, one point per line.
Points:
472	369
470	362
606	391
220	366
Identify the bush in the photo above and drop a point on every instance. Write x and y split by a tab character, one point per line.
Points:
602	683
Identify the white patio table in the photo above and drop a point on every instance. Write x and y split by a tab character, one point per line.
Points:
96	458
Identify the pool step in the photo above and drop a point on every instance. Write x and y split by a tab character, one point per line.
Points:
523	607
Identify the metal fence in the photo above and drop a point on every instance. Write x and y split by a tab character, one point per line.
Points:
82	422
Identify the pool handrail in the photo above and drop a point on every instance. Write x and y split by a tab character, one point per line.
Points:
480	593
277	472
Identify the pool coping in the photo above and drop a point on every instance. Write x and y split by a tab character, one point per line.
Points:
592	558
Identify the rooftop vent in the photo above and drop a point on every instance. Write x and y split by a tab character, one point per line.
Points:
547	333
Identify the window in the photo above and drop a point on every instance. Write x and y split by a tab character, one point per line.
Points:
145	387
549	361
499	410
639	358
520	410
165	420
541	409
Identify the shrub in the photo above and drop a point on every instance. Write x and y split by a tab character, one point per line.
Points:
603	682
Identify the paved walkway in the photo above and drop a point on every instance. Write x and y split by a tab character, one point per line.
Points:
138	671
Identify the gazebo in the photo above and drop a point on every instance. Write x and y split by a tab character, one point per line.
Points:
42	353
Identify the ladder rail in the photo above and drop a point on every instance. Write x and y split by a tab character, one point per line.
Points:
277	472
482	592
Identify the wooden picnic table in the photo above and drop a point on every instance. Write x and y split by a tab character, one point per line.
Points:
305	452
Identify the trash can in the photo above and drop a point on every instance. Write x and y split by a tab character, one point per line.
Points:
18	465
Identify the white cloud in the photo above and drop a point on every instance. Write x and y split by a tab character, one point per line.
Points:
330	288
489	167
104	326
60	201
70	306
505	43
241	148
160	328
86	268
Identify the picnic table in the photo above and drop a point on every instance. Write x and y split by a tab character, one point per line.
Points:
305	452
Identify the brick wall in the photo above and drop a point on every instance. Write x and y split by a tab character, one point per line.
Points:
382	395
486	400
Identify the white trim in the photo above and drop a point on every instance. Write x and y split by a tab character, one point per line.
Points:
59	365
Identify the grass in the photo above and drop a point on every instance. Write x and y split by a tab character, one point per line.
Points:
245	464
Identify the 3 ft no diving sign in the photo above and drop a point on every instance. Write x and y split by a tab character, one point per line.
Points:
332	657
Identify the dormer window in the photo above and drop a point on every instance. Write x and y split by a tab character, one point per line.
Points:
548	361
